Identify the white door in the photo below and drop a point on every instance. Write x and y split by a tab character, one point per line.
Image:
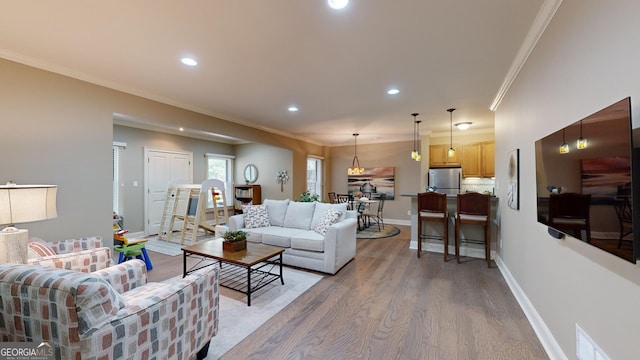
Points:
162	168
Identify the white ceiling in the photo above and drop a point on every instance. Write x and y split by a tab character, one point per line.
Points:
257	57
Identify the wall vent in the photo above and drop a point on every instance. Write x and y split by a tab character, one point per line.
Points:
586	348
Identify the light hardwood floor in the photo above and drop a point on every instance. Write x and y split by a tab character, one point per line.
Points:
388	304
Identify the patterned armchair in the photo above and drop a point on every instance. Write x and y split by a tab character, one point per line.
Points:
84	254
111	313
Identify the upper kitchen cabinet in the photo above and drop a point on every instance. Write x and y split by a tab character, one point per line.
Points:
478	159
438	156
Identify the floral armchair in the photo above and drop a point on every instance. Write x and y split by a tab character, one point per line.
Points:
111	313
84	254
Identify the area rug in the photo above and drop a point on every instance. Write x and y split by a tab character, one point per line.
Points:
372	232
237	320
164	247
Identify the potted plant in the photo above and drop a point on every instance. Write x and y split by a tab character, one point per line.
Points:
234	240
308	197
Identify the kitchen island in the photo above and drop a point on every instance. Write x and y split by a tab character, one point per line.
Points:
467	232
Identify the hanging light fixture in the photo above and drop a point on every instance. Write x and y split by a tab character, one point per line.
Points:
415	154
582	142
451	152
418	156
355	170
564	148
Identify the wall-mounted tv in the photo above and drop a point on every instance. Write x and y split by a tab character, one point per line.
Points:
585	181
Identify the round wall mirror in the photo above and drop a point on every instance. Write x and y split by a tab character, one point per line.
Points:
250	173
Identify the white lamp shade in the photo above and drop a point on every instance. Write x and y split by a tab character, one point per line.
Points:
26	203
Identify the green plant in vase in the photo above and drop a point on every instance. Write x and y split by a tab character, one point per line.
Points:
308	197
234	240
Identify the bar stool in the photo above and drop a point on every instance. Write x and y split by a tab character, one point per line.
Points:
475	209
432	207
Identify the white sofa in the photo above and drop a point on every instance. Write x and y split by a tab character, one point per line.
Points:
297	227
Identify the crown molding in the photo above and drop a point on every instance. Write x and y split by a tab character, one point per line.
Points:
542	20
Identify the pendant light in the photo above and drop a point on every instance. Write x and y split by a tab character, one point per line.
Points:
582	142
355	170
451	152
415	154
418	156
564	148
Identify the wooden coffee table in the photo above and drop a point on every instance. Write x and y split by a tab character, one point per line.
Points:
246	271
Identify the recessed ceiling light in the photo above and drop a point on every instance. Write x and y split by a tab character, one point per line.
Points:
463	125
181	129
393	91
338	4
293	108
189	61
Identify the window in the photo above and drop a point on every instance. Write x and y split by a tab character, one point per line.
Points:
118	147
221	167
314	175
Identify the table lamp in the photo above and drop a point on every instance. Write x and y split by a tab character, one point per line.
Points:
21	204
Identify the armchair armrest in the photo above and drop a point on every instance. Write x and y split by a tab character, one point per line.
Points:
86	260
155	312
126	276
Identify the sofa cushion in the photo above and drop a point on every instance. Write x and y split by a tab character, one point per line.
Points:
276	209
299	215
38	248
321	209
255	216
308	241
330	217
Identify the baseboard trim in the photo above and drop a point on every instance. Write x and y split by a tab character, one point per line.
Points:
549	343
397	222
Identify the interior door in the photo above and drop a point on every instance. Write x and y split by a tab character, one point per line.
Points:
162	168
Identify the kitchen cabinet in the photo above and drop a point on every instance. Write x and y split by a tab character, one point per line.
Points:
438	156
478	159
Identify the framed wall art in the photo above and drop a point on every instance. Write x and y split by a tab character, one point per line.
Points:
376	181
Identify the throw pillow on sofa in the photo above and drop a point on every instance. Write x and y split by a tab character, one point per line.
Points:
38	248
255	216
330	217
321	209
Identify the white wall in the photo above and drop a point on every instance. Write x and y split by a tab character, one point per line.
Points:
586	60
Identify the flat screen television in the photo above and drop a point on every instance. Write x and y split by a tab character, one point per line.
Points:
586	176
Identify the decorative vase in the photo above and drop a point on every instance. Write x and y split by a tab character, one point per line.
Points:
234	246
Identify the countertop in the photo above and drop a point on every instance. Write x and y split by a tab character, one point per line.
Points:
448	196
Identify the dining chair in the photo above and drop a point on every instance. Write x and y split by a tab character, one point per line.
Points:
333	199
376	216
346	198
475	209
624	212
432	207
569	213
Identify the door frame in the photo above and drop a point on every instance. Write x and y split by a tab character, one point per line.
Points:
145	159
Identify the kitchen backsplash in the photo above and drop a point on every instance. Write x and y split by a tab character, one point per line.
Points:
481	185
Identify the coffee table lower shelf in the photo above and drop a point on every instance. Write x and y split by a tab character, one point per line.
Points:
245	271
248	280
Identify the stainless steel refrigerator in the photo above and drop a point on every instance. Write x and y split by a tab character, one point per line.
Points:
445	181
